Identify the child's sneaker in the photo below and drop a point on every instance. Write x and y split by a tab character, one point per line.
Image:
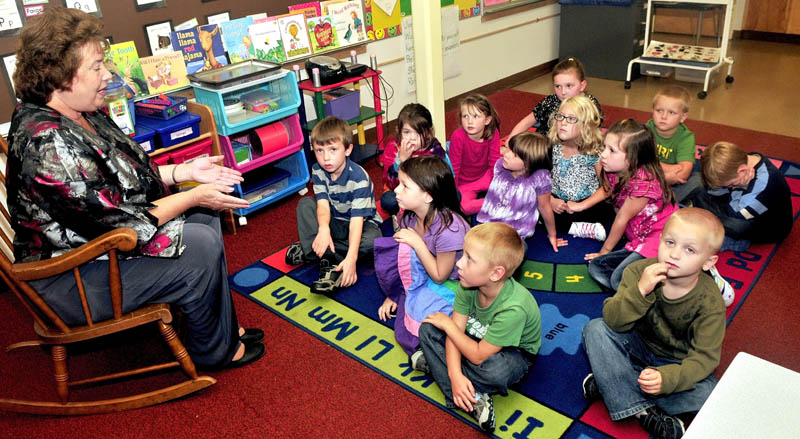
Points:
724	286
329	280
590	390
588	230
294	254
418	362
483	412
661	425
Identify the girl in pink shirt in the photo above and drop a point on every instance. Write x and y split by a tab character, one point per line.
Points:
474	149
642	199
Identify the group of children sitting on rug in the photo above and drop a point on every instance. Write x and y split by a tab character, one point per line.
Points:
460	314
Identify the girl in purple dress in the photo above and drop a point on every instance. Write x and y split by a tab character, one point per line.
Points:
520	189
413	265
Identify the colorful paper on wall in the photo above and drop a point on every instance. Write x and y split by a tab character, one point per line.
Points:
381	25
468	8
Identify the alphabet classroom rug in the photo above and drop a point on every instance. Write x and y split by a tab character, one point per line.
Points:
548	402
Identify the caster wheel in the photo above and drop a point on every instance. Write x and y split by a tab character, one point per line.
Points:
627	85
702	95
242	221
729	79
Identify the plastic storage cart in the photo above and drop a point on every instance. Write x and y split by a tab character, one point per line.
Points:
707	68
282	111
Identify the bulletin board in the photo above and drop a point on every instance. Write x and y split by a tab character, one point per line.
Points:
124	23
381	25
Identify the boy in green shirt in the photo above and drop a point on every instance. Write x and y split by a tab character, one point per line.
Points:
661	334
494	333
675	143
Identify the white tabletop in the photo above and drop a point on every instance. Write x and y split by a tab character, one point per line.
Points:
753	399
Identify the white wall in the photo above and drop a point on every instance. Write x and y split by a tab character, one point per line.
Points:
497	55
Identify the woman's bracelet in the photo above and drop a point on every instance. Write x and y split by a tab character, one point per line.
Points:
173	174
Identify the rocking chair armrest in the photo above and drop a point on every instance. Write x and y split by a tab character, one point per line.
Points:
121	239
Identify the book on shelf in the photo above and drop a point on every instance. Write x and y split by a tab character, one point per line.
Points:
322	34
308	9
164	72
267	42
187	42
323	5
210	37
348	18
236	39
295	36
122	60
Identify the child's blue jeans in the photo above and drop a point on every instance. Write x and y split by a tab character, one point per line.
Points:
494	375
607	269
617	359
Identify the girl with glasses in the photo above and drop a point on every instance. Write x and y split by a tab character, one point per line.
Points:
576	193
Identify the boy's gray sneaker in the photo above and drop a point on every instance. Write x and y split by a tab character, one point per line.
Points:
294	254
661	425
483	412
418	361
329	280
590	390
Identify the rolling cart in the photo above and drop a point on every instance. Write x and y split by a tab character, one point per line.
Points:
701	65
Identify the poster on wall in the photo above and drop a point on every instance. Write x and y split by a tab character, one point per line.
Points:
89	6
10	20
451	47
468	8
143	5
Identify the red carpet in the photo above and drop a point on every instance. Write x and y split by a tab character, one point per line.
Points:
304	388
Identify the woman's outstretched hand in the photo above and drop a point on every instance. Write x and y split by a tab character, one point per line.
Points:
208	170
215	196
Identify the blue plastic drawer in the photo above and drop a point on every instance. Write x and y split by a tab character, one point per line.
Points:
172	131
282	85
144	137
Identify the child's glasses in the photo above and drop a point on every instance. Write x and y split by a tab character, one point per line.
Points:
570	119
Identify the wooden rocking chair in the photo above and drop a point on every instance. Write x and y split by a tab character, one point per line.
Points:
52	330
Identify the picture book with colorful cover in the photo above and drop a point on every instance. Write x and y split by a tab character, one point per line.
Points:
267	42
295	36
187	42
323	5
236	39
309	9
164	72
348	18
322	34
122	60
210	37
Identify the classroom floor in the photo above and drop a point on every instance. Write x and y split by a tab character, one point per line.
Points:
763	97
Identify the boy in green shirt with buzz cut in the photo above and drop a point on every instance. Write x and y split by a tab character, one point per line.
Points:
494	333
675	143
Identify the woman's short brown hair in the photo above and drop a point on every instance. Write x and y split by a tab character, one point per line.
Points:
49	52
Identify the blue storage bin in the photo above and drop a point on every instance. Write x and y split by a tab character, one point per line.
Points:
172	131
144	137
283	85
